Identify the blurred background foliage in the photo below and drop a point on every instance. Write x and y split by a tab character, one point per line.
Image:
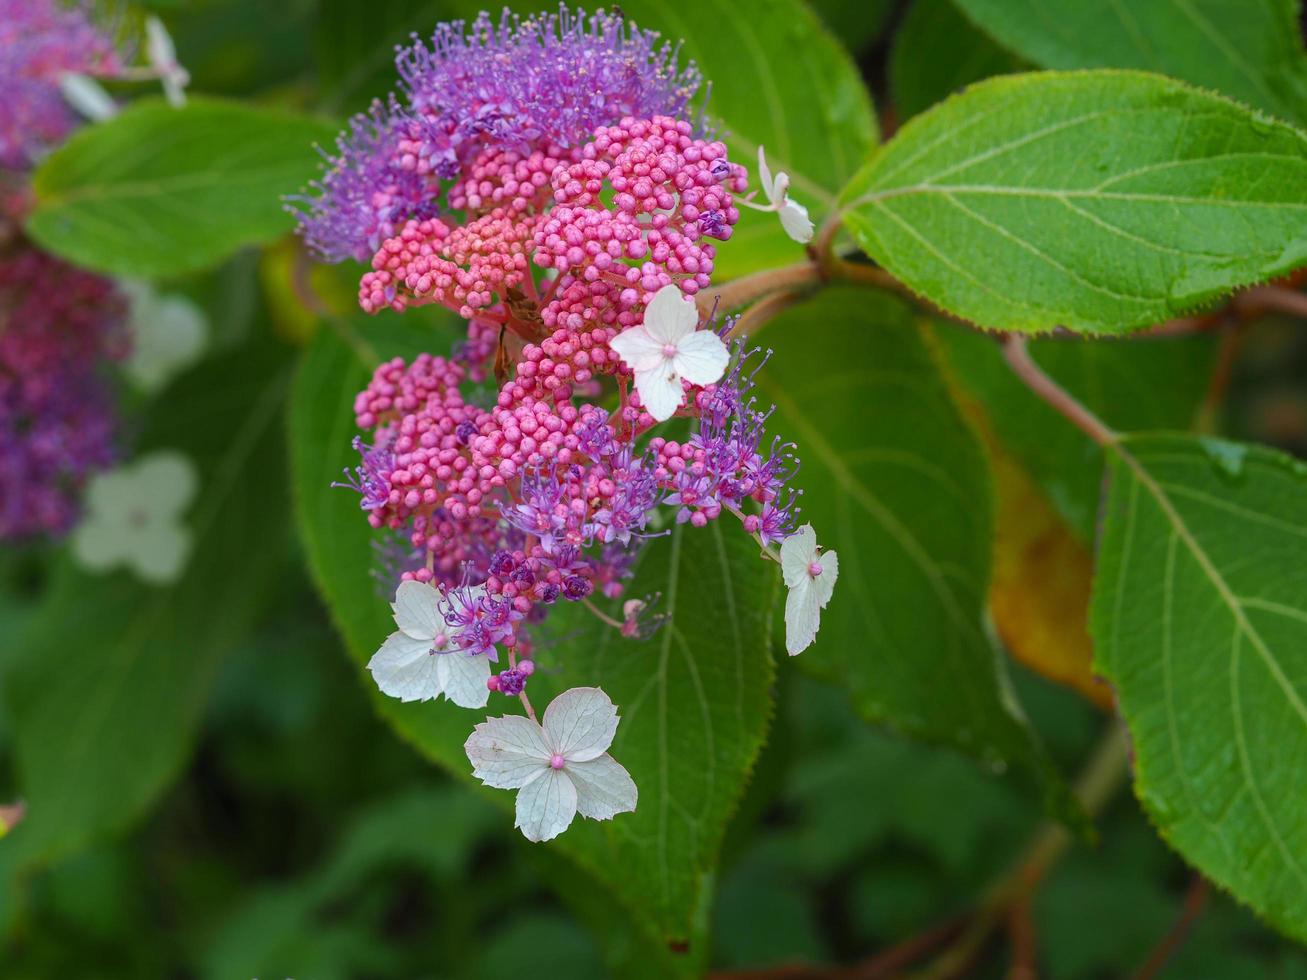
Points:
301	838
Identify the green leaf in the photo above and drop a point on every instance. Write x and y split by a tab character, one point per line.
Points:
938	51
1144	383
158	191
1095	200
900	489
855	22
1250	50
106	689
1199	621
779	80
694	699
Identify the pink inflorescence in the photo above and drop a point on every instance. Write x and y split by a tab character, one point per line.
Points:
41	40
536	85
539	178
58	327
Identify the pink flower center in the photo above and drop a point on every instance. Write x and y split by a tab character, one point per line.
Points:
556	761
814	569
669	350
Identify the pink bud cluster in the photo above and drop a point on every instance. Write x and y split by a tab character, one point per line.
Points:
671	195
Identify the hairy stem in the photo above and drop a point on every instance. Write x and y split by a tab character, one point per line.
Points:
1195	898
1023	365
760	313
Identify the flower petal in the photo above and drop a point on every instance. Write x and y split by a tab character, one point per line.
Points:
798	551
701	358
603	787
405	668
795	221
100	544
507	752
463	677
158	551
764	175
417	610
670	315
802	618
660	390
638	350
824	584
580	724
546	806
165	483
112	497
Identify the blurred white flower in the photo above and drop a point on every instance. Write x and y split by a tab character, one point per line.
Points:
133	518
163	59
168	334
87	96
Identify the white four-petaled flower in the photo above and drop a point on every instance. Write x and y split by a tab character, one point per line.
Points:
810	577
560	768
794	216
417	661
168	334
668	347
133	518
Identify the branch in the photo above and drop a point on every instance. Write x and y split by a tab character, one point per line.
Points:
1195	897
1025	368
1102	776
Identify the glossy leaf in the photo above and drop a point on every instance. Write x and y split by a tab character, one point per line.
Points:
856	23
694	699
1250	50
158	191
1099	201
936	52
106	691
899	488
1200	623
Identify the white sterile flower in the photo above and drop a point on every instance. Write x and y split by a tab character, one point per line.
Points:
163	59
810	576
168	334
794	216
134	518
417	662
87	96
559	769
667	347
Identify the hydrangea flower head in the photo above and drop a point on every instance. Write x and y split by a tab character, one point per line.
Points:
59	327
40	41
539	178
